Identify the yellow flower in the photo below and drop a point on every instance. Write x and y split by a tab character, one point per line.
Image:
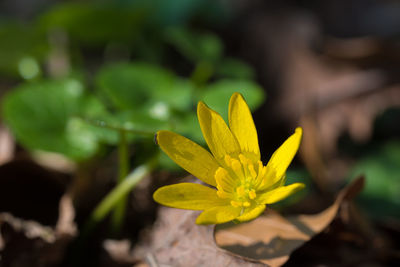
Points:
241	186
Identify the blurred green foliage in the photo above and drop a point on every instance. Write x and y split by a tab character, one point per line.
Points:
94	25
139	66
141	86
127	80
41	116
194	46
19	42
136	25
379	161
381	167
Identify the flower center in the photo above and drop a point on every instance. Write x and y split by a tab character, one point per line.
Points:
239	180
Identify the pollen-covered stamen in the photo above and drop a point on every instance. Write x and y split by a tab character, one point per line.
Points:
233	167
240	203
252	194
244	161
227	160
240	191
236	204
238	169
240	180
252	170
245	192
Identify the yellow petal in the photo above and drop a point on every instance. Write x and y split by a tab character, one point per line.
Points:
189	156
279	193
282	157
251	213
218	215
188	196
219	138
242	126
224	180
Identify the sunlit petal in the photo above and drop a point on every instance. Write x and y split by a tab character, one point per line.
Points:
251	213
279	193
188	196
219	138
242	126
218	215
282	157
189	156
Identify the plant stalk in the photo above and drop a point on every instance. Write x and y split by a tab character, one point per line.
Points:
118	215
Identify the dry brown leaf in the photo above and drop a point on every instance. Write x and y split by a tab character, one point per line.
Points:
177	241
117	253
29	243
267	241
6	145
54	161
272	238
31	192
66	216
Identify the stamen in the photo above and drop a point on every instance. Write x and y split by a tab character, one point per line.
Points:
253	173
252	194
237	168
243	159
240	191
228	160
236	203
244	176
220	174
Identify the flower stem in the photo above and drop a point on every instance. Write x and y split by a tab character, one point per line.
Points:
106	206
115	196
103	124
118	216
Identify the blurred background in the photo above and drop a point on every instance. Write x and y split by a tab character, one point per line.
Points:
84	85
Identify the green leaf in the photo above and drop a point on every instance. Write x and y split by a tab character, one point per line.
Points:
94	24
20	45
137	85
217	94
234	68
188	125
179	96
129	86
381	168
142	121
95	118
182	12
137	123
195	46
41	115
